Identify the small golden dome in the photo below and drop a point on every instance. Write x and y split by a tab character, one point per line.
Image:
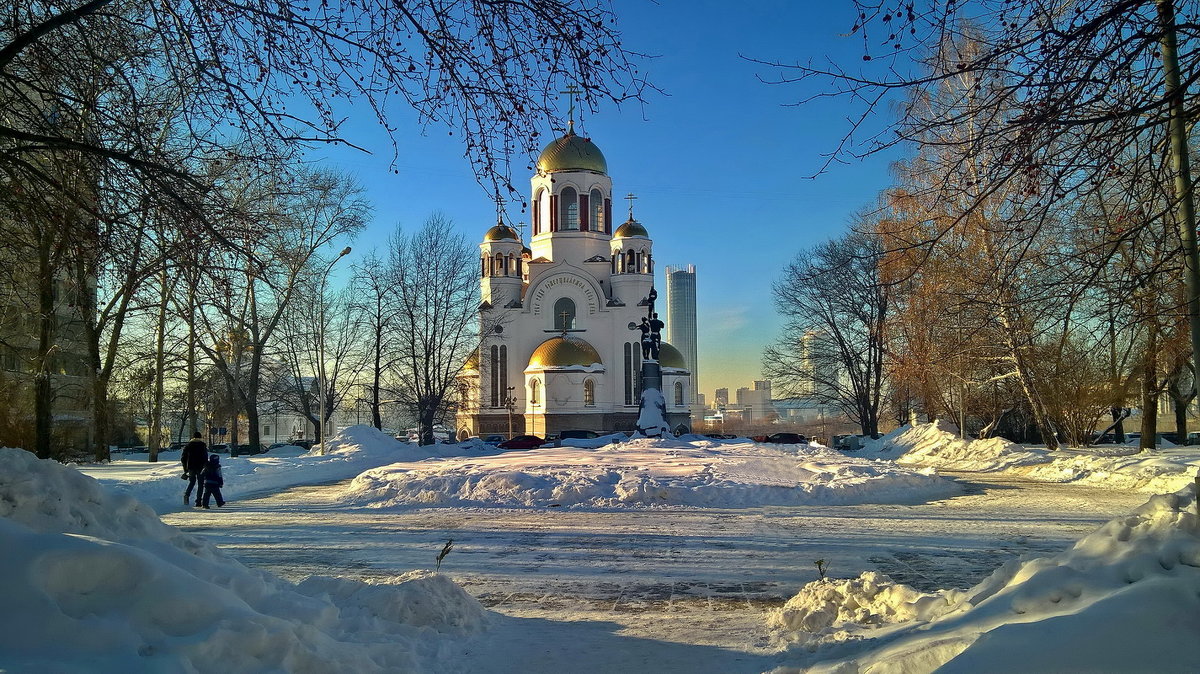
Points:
571	153
631	228
472	361
564	352
669	356
501	232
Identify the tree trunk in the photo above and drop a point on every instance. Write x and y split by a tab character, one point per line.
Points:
1179	406
160	340
427	417
1180	164
1150	393
191	361
43	394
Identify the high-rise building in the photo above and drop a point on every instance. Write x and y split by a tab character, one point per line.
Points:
721	396
681	318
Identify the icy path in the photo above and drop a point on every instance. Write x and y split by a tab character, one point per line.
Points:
672	590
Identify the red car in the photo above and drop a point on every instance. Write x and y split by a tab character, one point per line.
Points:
522	442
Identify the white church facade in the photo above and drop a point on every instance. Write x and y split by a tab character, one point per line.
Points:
558	350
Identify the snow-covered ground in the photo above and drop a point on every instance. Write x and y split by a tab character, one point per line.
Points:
352	451
1166	469
649	472
93	581
667	555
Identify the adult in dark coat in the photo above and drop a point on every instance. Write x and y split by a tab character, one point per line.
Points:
194	459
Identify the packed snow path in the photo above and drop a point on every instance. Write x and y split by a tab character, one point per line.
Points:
674	589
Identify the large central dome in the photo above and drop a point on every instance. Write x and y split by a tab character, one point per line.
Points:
564	352
572	153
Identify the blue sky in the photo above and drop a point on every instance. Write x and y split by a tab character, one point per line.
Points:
721	164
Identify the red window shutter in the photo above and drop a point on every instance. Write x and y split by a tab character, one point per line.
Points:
554	212
583	213
607	216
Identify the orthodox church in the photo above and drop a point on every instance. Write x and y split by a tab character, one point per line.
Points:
560	350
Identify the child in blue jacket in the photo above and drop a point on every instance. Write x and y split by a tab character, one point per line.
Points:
213	480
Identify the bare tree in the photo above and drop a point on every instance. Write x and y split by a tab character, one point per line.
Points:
433	275
248	297
833	342
374	301
1060	98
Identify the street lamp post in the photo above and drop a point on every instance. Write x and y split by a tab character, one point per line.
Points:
322	384
509	402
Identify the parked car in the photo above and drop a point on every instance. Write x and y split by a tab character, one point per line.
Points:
493	440
307	444
720	436
522	442
176	446
784	439
219	449
574	435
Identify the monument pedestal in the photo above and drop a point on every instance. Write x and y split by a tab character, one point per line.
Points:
652	405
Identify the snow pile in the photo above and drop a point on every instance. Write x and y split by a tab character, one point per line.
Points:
355	438
937	445
94	581
594	443
652	420
351	451
1125	598
1155	472
872	599
644	472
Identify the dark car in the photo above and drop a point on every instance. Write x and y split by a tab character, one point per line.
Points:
522	442
574	435
785	439
493	440
307	444
251	450
219	449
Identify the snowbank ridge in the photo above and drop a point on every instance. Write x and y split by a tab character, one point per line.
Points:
94	581
1117	601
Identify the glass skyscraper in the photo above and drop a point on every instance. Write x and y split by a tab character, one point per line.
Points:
681	318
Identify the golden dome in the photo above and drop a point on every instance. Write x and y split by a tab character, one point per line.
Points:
669	356
571	153
472	361
564	352
500	232
631	228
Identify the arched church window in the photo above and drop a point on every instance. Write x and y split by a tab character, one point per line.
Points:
631	262
596	206
569	203
499	270
483	266
679	394
535	392
494	376
564	314
589	392
511	270
538	200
